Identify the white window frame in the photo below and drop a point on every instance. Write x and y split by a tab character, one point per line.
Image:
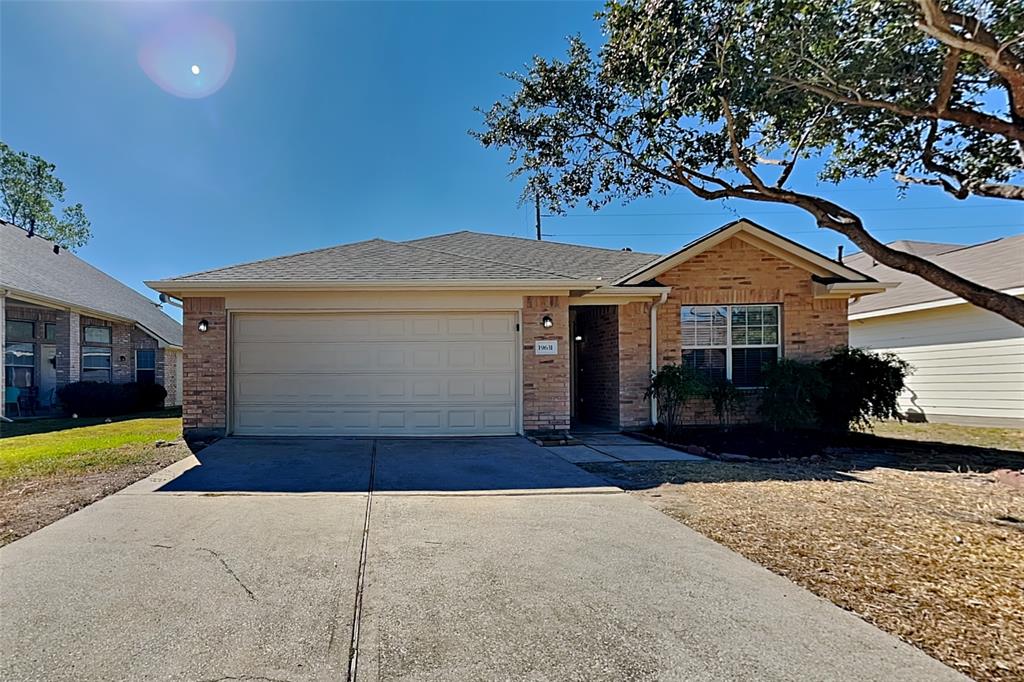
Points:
729	345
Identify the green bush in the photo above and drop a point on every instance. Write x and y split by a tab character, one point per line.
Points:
793	392
674	386
101	399
862	386
725	398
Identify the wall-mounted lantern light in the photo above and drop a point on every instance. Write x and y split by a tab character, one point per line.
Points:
579	337
203	326
547	322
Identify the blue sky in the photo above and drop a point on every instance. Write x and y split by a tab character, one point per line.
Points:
339	122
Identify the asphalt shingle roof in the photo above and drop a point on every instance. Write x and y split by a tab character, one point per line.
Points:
374	260
998	264
456	256
31	266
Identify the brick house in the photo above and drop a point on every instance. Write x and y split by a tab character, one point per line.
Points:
62	320
470	333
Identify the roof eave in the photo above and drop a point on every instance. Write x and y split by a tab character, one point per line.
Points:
850	289
923	305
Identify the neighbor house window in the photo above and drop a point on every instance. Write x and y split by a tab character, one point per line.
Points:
19	364
97	335
19	329
95	363
145	366
50	331
731	342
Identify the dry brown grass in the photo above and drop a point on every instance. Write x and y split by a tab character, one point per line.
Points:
934	557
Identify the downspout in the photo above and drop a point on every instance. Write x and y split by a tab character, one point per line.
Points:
654	350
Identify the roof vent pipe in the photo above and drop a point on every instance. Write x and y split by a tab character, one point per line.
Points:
839	253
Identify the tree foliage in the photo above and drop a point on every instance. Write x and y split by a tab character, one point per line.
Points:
29	195
725	98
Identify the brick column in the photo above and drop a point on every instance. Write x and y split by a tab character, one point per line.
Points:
204	408
69	348
545	377
634	364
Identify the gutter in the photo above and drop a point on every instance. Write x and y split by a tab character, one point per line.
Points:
174	287
654	350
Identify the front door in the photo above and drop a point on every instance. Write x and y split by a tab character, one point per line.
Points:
47	375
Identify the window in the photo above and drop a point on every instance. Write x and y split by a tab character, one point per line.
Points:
19	329
97	334
145	366
50	331
731	342
20	364
95	363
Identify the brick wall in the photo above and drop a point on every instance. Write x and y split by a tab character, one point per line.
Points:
596	364
634	364
168	361
735	272
204	401
545	377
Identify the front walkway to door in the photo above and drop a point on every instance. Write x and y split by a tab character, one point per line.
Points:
488	558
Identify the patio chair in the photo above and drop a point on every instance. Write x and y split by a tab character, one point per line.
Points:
12	396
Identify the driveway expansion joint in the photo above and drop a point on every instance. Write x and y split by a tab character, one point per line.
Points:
357	613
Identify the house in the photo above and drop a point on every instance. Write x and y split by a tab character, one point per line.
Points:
470	333
62	321
968	362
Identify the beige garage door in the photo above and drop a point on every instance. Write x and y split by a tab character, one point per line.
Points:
419	374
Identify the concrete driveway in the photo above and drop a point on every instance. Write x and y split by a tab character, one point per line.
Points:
471	559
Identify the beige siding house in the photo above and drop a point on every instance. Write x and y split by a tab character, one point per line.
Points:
968	362
477	334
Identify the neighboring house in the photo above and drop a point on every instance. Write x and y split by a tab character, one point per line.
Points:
470	333
62	321
968	362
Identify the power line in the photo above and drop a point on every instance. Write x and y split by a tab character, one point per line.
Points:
814	231
763	211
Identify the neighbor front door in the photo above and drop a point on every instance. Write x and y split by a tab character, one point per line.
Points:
47	375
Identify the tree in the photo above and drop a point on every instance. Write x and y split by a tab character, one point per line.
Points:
725	98
29	191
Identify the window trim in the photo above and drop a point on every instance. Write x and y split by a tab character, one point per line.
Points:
145	369
729	346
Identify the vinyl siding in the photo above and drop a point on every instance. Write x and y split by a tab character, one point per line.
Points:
968	363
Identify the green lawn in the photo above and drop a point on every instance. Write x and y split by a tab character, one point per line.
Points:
65	450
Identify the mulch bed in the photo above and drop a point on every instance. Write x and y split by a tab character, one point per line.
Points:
28	505
929	548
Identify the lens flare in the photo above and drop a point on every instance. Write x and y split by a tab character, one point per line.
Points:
171	56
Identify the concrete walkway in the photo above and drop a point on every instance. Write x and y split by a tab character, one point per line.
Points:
471	559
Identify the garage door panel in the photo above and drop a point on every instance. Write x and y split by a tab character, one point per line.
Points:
339	420
301	356
319	388
365	373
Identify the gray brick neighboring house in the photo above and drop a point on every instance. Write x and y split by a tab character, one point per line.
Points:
62	320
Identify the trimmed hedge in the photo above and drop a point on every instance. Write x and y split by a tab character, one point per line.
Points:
101	399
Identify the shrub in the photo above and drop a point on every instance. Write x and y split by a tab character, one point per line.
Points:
674	386
725	399
792	393
862	385
96	399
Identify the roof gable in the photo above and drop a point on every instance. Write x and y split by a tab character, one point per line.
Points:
757	236
30	267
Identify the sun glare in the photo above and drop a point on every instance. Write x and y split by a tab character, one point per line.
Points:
195	69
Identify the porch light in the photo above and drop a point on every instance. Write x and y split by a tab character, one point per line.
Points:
547	322
203	326
579	337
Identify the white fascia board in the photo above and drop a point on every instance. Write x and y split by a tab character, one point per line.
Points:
848	289
175	287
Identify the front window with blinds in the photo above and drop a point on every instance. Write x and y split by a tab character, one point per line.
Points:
145	366
96	363
731	342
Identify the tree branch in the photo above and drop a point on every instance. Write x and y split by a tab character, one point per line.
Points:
968	117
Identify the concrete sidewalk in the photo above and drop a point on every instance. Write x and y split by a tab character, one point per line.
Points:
485	559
